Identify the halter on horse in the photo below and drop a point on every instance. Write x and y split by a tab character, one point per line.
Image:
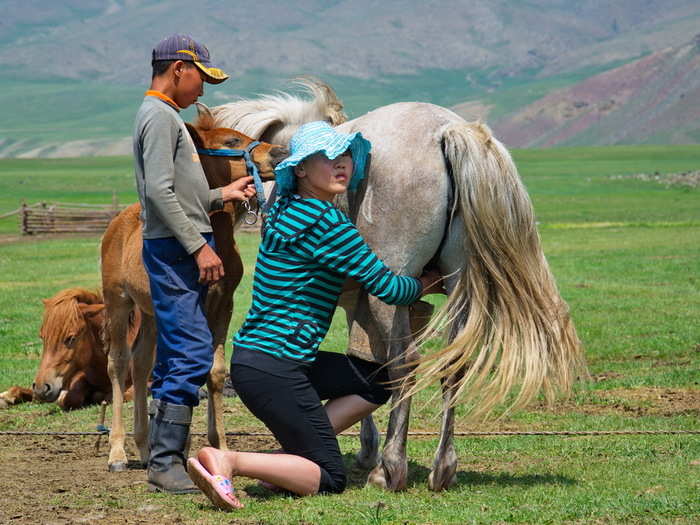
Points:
251	216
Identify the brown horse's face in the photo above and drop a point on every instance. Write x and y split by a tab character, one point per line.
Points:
70	352
223	170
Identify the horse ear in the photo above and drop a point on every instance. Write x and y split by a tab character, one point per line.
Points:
196	137
205	118
90	310
203	111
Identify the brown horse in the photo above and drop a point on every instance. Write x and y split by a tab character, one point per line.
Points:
73	367
125	286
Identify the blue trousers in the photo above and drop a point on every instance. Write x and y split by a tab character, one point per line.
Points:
184	353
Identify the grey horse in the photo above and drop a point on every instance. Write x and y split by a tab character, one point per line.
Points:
445	193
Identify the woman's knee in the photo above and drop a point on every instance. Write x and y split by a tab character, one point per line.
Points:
333	482
378	394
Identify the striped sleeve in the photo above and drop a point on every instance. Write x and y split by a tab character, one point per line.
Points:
341	248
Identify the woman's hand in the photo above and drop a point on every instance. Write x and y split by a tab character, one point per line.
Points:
432	283
239	190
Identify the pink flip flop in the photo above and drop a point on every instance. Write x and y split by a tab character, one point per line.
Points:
218	489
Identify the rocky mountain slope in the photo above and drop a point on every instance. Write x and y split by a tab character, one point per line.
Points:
358	38
652	100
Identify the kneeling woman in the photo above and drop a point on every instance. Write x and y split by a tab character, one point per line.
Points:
309	248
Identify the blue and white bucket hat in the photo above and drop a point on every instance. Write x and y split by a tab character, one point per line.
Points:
321	137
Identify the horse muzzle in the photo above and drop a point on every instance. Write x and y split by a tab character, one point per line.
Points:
47	392
278	154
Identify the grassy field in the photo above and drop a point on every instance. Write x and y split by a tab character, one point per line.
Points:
626	255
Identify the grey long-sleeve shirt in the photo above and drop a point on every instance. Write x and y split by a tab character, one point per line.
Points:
173	191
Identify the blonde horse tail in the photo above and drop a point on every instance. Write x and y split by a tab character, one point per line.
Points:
509	327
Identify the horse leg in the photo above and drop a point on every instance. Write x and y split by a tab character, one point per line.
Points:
391	471
368	456
116	326
15	395
359	345
444	472
219	309
215	404
143	356
76	395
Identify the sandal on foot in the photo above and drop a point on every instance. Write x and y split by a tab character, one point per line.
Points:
218	489
271	487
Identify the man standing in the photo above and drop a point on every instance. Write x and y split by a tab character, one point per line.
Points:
178	249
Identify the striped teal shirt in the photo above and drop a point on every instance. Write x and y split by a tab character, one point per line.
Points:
308	249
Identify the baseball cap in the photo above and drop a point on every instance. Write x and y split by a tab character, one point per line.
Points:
186	48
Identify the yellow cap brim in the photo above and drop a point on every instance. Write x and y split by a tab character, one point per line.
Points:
213	75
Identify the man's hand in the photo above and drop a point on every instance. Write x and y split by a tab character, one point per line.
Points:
432	283
211	269
239	190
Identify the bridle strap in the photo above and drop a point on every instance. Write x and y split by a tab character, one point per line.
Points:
251	168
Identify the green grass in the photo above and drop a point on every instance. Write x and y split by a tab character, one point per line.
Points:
574	185
626	255
80	180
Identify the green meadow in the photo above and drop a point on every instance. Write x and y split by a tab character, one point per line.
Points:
626	255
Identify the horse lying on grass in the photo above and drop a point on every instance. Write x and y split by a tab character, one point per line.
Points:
73	367
125	286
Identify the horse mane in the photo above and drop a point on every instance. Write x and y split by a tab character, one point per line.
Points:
255	116
62	314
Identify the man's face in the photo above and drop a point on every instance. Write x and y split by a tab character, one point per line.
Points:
189	84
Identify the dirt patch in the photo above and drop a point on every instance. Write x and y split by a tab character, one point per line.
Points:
645	401
686	179
60	480
604	376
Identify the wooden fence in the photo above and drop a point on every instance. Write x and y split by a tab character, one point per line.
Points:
57	217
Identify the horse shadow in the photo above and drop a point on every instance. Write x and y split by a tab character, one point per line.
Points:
473	478
418	477
506	479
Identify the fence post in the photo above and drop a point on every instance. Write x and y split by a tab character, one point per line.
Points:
115	205
23	218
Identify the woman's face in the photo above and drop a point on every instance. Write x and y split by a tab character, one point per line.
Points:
322	178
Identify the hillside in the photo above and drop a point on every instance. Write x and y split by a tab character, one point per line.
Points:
354	38
74	70
652	100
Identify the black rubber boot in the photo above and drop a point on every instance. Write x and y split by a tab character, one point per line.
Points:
168	437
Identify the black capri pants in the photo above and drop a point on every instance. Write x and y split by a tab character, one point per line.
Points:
286	396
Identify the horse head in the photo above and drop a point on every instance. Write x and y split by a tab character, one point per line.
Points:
221	151
70	332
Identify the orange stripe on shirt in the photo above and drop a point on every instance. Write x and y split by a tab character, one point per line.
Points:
165	98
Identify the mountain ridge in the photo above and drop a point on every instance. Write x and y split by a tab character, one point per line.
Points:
74	69
653	99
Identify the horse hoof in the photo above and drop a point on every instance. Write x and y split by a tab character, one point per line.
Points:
440	483
119	466
377	477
